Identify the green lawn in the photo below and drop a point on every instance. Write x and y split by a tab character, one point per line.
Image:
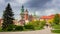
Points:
56	26
56	33
56	29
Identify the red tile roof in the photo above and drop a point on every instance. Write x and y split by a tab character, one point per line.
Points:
47	17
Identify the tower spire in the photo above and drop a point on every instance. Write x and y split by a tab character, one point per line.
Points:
22	9
22	12
22	6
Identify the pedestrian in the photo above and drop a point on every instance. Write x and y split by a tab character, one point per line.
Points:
47	25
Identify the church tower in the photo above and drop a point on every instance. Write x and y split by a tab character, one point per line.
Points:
22	21
26	14
22	13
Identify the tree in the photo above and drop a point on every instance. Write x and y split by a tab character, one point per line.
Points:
7	17
56	19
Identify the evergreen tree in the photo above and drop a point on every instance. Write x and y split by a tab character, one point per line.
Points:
56	19
7	17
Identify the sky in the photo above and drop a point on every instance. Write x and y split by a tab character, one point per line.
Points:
40	7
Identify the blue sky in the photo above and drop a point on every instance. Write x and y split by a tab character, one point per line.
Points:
41	7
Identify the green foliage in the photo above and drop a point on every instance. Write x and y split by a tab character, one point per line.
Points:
42	24
29	26
56	26
10	28
56	19
7	17
0	29
35	25
19	28
56	31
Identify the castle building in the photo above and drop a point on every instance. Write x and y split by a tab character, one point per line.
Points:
48	19
35	16
26	16
22	21
22	13
31	18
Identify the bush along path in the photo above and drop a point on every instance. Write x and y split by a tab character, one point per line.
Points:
46	30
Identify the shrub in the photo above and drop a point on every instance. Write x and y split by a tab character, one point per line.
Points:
42	24
19	28
0	29
35	25
29	27
10	28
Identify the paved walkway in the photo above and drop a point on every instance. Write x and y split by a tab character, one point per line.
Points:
43	31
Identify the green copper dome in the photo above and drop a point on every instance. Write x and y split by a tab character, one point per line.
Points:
22	9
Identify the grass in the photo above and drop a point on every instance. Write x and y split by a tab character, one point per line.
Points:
56	26
55	31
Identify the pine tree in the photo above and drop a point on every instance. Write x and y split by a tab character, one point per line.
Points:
7	17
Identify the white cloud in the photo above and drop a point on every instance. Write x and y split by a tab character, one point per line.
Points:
2	1
21	1
55	4
52	7
50	11
14	4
